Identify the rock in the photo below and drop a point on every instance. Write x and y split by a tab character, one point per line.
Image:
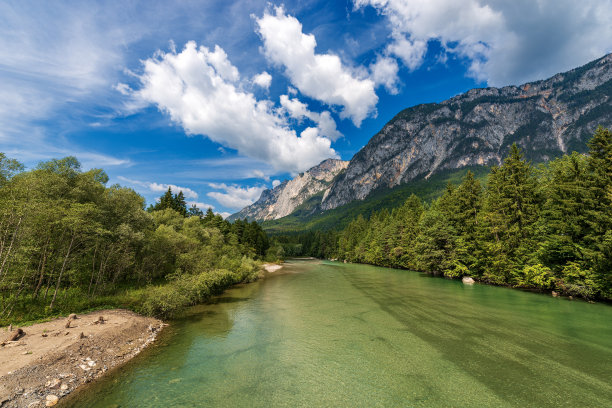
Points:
287	196
64	387
67	325
51	400
16	335
467	280
570	297
54	383
100	320
72	316
81	336
555	294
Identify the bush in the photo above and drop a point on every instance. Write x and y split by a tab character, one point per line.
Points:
535	276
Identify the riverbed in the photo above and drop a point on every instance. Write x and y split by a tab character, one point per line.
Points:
320	333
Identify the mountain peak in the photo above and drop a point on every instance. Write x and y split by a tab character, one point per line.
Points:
283	199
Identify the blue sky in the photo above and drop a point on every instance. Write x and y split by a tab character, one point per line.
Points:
225	98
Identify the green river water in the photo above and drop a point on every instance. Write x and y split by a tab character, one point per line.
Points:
324	334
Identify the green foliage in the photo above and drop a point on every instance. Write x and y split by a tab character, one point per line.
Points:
70	243
535	276
307	218
544	228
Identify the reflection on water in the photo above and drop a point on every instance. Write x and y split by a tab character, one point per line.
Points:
329	334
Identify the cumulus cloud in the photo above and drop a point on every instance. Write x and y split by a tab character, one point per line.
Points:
318	76
263	80
235	197
201	206
275	183
160	187
504	41
326	125
199	91
384	72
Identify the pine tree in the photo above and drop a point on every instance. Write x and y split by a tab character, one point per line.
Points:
511	208
179	204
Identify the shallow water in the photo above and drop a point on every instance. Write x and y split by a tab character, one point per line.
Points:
329	334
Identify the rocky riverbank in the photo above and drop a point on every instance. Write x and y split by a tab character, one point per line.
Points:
53	358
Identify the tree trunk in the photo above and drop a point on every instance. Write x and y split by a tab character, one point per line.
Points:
59	278
8	251
93	268
42	269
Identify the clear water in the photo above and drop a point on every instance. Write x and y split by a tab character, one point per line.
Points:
335	335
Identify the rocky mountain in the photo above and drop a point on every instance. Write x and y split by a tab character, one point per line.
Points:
545	118
287	196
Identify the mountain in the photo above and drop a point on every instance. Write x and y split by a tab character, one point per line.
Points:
545	118
283	199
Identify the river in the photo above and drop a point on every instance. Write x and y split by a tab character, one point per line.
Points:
325	334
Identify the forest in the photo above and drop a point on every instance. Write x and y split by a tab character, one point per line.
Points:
69	243
545	227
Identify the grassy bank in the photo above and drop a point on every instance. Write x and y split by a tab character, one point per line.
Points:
164	299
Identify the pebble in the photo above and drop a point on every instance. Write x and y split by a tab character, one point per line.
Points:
51	400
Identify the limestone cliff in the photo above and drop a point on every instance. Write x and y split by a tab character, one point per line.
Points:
286	197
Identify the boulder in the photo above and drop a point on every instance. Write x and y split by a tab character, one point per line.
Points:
51	400
467	280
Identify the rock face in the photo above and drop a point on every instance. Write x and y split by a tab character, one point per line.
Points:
545	118
283	199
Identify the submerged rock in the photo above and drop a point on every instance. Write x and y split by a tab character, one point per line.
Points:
467	280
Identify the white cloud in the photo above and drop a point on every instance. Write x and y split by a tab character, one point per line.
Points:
235	197
263	80
275	183
160	188
326	125
224	214
191	89
319	76
384	72
260	174
506	42
201	206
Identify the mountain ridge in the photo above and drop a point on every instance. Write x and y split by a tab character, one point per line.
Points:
546	118
283	199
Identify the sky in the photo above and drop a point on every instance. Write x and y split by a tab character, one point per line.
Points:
223	99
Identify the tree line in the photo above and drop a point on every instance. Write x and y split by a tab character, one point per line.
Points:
547	227
69	242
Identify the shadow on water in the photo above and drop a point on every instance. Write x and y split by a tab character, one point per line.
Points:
503	345
356	335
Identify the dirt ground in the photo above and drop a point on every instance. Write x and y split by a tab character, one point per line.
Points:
50	361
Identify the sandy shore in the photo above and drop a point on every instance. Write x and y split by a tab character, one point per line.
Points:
51	361
270	267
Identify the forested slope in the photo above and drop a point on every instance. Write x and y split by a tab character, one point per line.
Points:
547	227
68	243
